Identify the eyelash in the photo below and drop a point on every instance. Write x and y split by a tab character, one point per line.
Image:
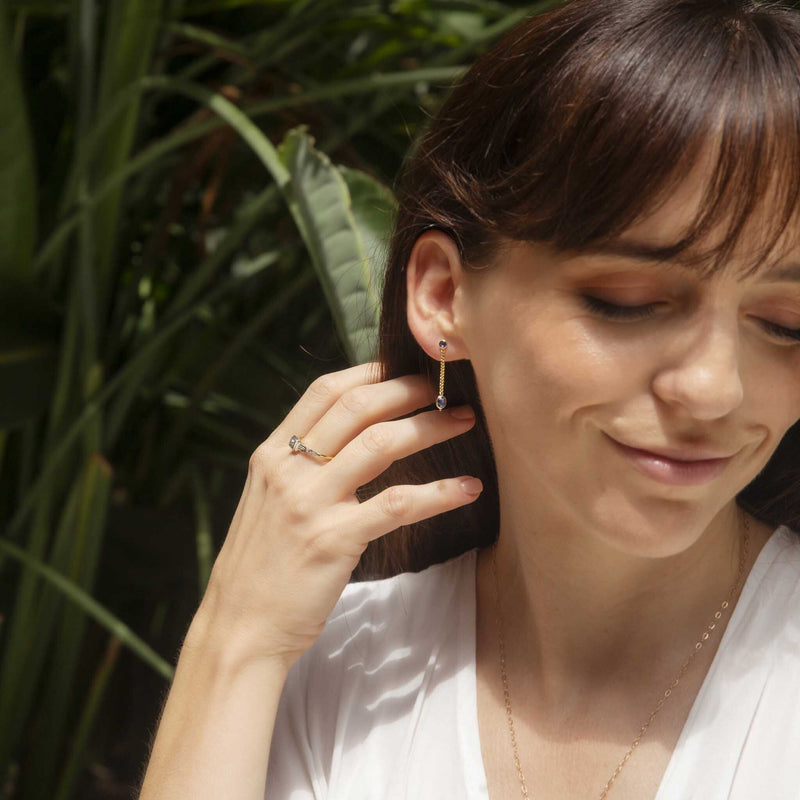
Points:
613	311
633	313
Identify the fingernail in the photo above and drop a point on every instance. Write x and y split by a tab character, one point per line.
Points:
471	486
462	412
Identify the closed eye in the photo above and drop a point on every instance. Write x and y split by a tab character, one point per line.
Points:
614	311
787	334
632	313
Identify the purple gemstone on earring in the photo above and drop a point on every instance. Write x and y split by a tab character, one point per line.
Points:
442	343
441	402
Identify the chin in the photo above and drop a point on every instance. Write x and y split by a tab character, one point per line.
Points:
662	532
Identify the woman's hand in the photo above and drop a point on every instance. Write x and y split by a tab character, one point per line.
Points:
299	529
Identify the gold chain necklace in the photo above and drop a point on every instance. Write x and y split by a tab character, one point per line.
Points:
664	697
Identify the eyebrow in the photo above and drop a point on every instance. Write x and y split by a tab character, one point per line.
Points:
641	251
786	272
664	256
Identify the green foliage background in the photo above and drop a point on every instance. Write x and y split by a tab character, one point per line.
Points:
195	201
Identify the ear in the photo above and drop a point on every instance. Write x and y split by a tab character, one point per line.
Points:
434	277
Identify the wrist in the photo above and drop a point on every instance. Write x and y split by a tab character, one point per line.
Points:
231	647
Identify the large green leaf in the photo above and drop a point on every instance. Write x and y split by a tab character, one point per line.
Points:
376	82
340	241
17	172
374	208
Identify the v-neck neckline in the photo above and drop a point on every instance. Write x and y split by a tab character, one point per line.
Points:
760	566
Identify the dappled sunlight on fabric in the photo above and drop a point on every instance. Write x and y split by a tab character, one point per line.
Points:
385	703
369	629
413	685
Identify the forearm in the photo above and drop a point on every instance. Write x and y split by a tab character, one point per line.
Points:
215	731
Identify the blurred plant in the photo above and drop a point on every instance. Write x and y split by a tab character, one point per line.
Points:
161	263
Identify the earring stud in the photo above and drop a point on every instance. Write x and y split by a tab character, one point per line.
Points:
441	400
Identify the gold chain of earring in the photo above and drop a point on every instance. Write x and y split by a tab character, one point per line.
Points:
441	400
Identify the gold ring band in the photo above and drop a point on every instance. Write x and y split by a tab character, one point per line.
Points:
299	447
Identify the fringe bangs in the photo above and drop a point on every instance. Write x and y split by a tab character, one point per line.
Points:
606	110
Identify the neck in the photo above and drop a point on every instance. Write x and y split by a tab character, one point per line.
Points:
580	612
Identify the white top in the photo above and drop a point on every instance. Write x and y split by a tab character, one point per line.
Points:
384	704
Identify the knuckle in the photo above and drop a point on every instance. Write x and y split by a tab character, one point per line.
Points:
301	503
258	460
279	475
318	548
396	502
377	438
324	387
355	400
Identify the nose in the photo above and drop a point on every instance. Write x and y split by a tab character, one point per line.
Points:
703	374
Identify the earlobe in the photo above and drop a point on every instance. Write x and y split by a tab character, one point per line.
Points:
433	276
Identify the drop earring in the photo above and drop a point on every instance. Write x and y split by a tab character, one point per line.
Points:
441	400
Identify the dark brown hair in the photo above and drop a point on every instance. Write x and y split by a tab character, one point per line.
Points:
574	125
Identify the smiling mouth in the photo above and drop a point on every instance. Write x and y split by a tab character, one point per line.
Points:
673	471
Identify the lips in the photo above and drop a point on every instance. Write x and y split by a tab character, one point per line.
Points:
675	466
681	453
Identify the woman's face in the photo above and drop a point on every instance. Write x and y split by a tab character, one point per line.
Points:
577	358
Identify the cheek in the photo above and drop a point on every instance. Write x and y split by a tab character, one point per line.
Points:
794	393
776	413
550	371
773	392
577	369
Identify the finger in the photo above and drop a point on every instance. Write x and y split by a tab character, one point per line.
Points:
364	405
405	504
373	450
320	395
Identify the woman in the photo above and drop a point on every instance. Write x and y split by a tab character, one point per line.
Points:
597	251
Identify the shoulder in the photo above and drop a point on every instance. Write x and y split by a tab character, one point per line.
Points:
776	573
377	621
741	739
765	627
393	661
388	647
409	588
